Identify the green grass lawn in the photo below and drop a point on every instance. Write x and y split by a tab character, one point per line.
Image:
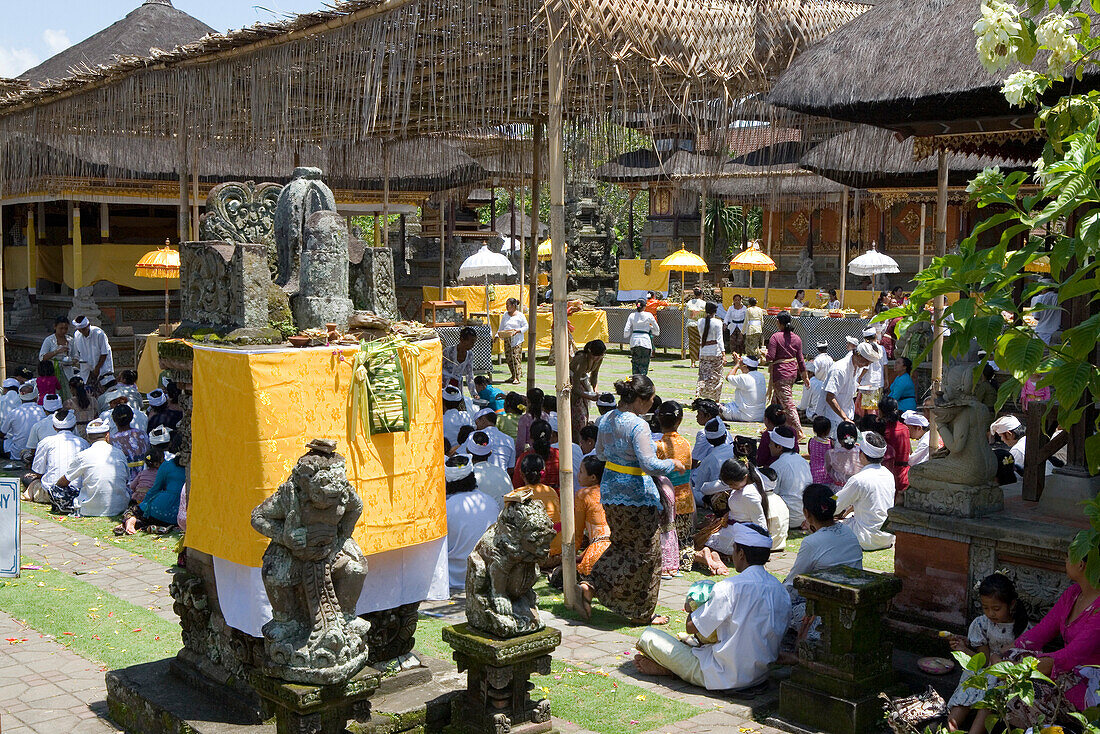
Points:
587	697
160	548
86	619
553	601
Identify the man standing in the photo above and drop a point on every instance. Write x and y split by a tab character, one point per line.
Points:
502	446
750	390
54	456
869	493
748	614
754	328
92	351
458	361
813	395
512	328
94	485
17	424
840	385
584	371
735	324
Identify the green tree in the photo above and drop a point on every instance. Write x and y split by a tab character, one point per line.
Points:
729	223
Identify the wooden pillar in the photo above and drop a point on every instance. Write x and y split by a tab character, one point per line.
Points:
69	219
937	314
78	249
533	280
386	198
105	221
184	203
512	234
843	243
702	231
32	251
377	233
630	222
404	245
923	219
556	59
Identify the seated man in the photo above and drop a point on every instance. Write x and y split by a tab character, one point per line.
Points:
869	494
749	615
711	467
504	446
750	390
53	456
18	422
94	485
455	414
470	512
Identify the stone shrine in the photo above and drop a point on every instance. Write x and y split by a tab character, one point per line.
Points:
224	284
305	194
322	294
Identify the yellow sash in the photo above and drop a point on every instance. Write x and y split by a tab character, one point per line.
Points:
636	471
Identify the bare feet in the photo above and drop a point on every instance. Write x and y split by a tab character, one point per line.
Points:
584	599
646	666
659	619
130	526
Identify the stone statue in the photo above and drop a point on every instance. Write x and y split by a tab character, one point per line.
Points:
880	282
505	565
303	196
805	277
322	296
313	572
243	213
960	477
22	310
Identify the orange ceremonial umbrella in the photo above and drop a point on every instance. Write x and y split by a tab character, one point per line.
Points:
753	260
162	263
685	262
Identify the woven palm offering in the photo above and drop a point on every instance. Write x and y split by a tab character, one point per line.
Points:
379	393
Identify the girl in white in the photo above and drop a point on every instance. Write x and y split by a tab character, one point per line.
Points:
640	331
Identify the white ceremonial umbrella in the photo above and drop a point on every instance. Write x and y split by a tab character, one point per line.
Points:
870	264
512	244
485	263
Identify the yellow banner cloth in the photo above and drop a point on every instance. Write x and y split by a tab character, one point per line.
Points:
101	262
587	325
149	365
474	296
253	415
632	276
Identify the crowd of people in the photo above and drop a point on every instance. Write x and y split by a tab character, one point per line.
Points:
91	444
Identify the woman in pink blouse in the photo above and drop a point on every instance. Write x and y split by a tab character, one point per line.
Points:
1075	618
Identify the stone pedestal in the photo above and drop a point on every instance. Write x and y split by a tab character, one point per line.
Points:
371	283
224	284
304	709
954	499
835	686
498	673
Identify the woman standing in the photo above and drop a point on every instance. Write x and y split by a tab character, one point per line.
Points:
693	311
640	330
785	358
55	348
628	575
711	355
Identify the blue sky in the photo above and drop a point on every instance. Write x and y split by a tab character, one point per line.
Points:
31	32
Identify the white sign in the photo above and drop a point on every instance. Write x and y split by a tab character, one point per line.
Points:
9	527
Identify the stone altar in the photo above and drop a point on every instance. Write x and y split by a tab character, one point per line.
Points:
224	285
322	295
313	572
371	279
835	686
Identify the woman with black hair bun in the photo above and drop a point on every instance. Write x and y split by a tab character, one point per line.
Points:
541	446
627	577
639	332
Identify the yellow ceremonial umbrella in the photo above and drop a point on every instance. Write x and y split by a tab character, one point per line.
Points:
1038	265
546	250
753	260
685	262
162	263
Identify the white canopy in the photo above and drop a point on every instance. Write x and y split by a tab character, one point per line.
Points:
873	263
485	263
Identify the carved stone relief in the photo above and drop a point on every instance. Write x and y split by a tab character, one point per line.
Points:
224	284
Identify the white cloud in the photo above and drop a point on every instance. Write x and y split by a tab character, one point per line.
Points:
56	41
14	61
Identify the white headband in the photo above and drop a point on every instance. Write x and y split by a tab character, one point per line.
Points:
913	418
823	345
114	394
97	427
11	382
457	467
872	451
160	436
157	398
750	362
452	394
746	536
851	340
484	412
784	441
1005	423
869	332
83	323
69	422
715	432
106	377
31	395
51	403
476	449
607	400
868	351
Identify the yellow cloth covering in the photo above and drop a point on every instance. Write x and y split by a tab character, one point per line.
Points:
149	365
101	262
587	325
253	415
632	276
474	296
860	300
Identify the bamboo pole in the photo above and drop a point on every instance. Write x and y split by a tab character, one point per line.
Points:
386	197
768	252
195	192
937	315
923	219
512	234
32	251
533	280
447	211
843	244
105	221
702	237
184	205
556	58
78	250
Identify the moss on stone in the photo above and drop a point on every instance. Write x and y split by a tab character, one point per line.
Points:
279	316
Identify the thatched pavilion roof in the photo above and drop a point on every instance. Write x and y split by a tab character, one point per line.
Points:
155	24
364	70
910	65
873	158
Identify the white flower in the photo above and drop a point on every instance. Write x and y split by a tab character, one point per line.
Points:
1022	87
988	179
1000	21
1055	32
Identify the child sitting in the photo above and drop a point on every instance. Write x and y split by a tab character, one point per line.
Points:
735	498
589	516
1003	619
698	594
48	384
493	396
515	405
842	461
531	466
143	480
819	447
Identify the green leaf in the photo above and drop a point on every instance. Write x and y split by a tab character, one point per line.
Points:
1070	380
1023	354
1092	452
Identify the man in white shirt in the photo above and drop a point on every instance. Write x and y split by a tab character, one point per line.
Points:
869	493
735	324
491	479
54	456
711	467
51	404
470	513
94	485
639	331
1047	313
455	414
503	446
92	350
458	361
512	328
748	613
840	385
792	472
813	396
918	431
9	396
750	390
16	427
1011	432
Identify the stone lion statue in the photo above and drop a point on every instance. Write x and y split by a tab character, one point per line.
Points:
505	565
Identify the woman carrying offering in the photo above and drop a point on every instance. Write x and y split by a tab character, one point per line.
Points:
627	576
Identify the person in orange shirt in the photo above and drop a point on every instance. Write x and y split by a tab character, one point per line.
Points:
531	466
674	446
652	303
589	517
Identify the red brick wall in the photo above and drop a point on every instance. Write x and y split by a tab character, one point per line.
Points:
934	574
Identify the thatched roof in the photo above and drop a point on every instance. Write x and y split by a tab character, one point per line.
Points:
783	190
503	225
873	158
910	65
645	165
155	24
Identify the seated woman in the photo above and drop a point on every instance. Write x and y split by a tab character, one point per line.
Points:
736	498
159	510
